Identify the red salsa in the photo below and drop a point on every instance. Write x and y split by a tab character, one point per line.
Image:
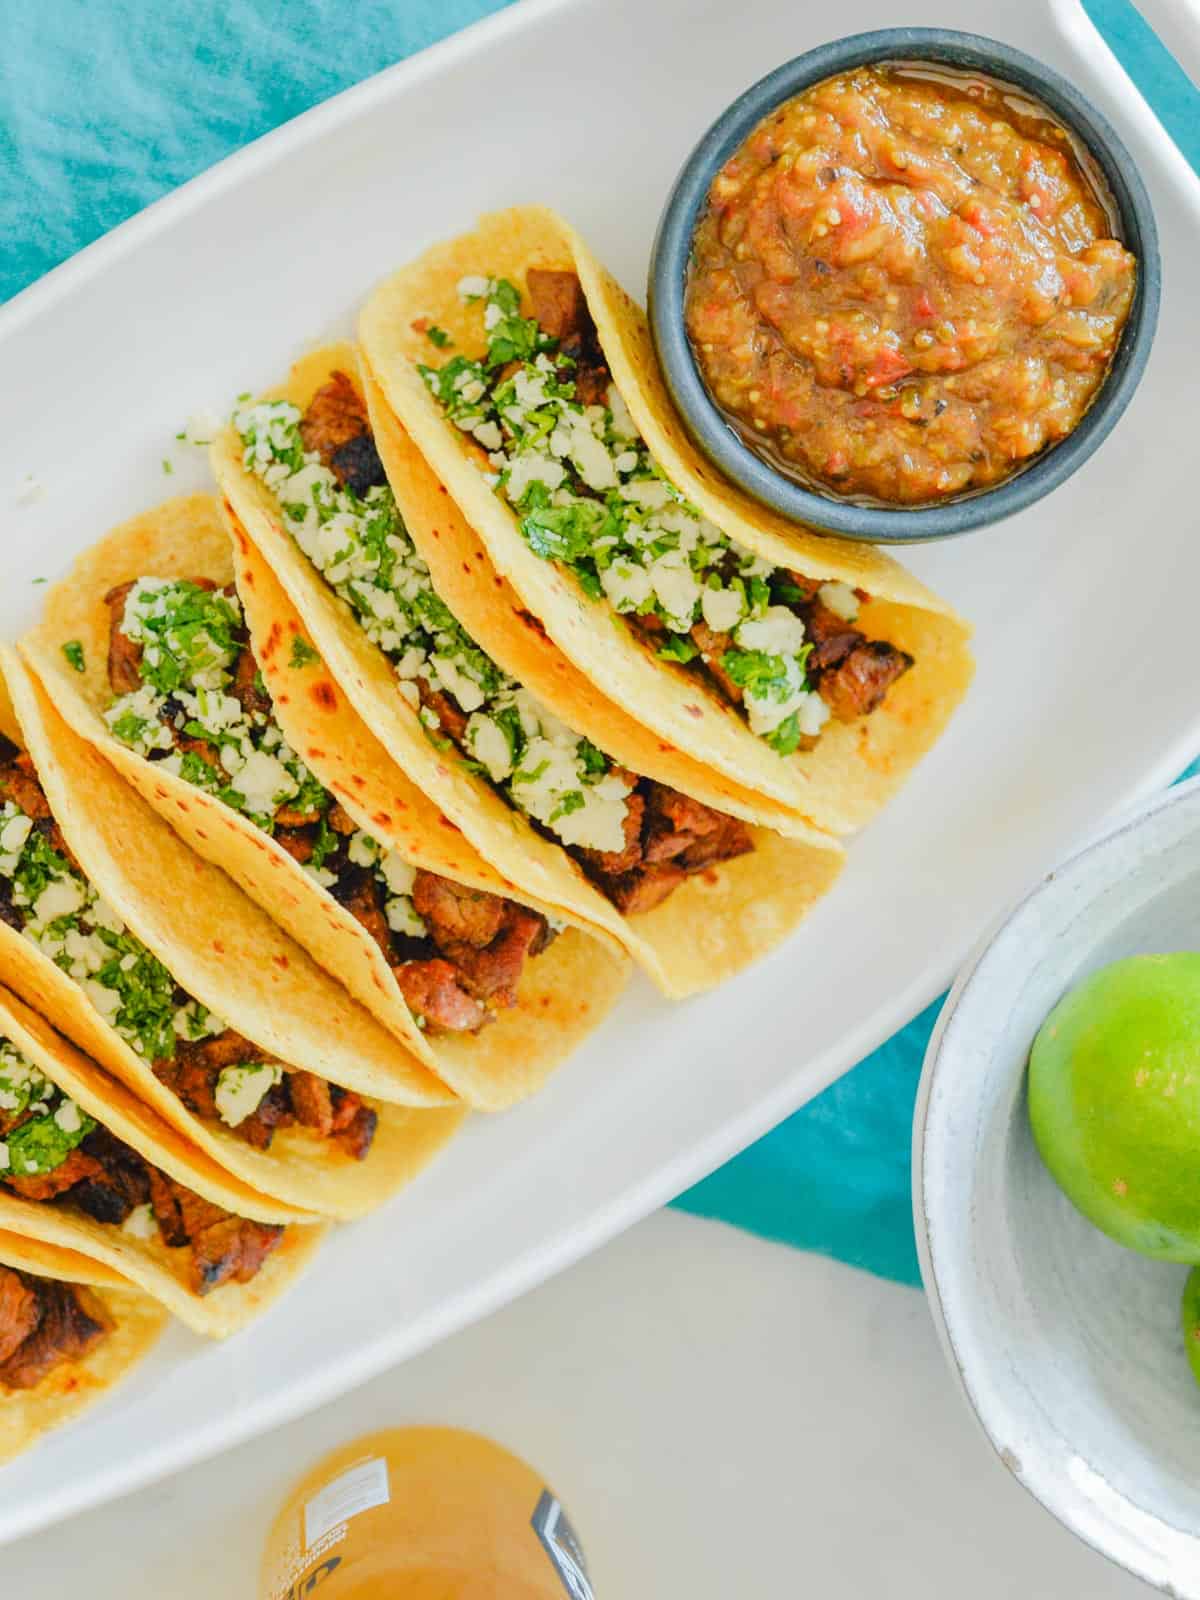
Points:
905	285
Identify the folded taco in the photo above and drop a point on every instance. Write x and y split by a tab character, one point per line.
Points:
579	804
183	690
814	671
86	1166
70	1329
113	927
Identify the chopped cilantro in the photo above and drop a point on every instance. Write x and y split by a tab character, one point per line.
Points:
438	336
73	650
785	739
303	654
679	648
40	1145
168	466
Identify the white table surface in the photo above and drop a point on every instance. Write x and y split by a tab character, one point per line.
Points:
722	1416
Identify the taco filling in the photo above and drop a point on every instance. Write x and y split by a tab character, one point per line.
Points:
219	1075
44	1325
636	840
52	1152
552	434
190	696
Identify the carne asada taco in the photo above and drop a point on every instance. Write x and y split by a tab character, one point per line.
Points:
813	670
581	806
349	857
86	1166
70	1329
113	927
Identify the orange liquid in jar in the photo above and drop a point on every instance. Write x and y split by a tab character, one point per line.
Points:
423	1514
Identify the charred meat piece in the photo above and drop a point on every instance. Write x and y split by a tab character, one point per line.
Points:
858	684
831	636
66	1331
312	1104
19	783
451	720
77	1168
19	1313
456	915
561	309
358	466
674	822
493	971
124	653
558	302
731	839
247	686
335	426
122	1184
297	841
8	912
434	990
358	1132
359	890
224	1247
273	1111
645	888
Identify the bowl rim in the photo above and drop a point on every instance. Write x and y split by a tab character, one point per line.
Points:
672	245
1125	1548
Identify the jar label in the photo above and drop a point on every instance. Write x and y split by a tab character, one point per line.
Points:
360	1488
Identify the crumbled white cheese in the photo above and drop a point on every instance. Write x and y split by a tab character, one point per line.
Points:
778	632
839	598
241	1089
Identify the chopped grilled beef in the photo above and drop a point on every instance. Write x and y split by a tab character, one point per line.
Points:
493	971
124	653
340	819
335	426
454	914
247	686
354	1124
451	720
18	1311
224	1247
831	636
312	1103
78	1167
298	843
644	888
667	836
558	301
434	990
273	1111
20	784
561	308
122	1184
359	890
858	684
66	1330
296	817
8	912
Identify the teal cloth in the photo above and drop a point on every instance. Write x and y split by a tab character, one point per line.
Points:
107	104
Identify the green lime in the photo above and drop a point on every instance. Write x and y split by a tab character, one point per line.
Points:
1190	1316
1114	1100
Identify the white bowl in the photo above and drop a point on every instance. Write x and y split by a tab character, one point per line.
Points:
1068	1347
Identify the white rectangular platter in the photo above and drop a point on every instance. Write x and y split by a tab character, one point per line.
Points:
1087	693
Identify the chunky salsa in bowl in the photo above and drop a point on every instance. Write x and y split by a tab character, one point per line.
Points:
905	285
